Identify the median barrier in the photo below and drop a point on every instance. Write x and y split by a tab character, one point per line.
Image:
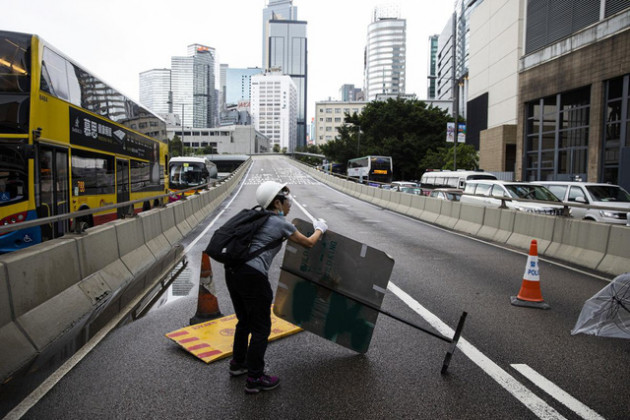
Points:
528	226
516	228
416	207
403	202
449	214
180	217
169	227
470	219
47	303
431	210
617	258
16	350
154	238
579	241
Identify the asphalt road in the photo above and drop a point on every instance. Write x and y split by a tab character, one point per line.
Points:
511	362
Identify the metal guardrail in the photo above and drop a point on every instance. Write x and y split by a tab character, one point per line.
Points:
78	228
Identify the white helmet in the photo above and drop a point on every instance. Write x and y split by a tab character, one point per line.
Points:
267	191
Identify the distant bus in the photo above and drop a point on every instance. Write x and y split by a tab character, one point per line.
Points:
226	164
335	168
188	172
451	179
371	168
69	142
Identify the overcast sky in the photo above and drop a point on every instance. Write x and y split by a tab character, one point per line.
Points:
118	39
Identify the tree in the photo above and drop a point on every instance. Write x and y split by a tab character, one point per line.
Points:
442	158
276	148
404	129
309	148
175	146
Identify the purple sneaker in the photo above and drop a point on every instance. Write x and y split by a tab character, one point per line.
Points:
237	369
264	383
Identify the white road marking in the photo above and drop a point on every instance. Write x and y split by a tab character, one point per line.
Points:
556	392
539	407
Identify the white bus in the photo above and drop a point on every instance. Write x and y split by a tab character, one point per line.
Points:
371	168
188	172
451	179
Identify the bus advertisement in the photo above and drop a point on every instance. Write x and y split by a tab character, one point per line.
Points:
371	168
70	142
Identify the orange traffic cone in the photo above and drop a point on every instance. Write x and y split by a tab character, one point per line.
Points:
530	295
207	304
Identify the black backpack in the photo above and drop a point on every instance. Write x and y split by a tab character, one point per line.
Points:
230	243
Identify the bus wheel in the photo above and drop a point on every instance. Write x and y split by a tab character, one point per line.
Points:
146	206
83	223
156	203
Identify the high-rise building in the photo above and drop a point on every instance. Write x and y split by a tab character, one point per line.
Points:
193	86
237	84
432	67
349	93
155	90
275	10
385	54
274	108
330	116
284	49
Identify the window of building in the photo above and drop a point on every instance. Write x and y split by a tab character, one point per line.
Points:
556	139
617	126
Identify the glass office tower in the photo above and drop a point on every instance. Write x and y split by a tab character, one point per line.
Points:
385	54
155	90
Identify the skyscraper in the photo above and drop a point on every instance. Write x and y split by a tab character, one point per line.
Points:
193	86
432	67
275	10
284	49
237	84
385	54
274	108
155	90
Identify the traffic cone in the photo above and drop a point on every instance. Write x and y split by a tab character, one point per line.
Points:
207	304
530	295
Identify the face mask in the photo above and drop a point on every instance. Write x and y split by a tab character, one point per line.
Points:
280	213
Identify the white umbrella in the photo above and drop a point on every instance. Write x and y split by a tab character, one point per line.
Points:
607	314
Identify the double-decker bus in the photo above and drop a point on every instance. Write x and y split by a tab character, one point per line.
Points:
69	142
189	172
371	168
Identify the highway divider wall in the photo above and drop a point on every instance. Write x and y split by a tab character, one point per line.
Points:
56	295
597	246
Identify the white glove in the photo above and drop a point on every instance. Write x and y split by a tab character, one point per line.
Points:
321	225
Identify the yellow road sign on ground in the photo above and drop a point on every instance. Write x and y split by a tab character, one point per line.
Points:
212	340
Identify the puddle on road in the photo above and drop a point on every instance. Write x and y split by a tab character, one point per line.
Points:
184	285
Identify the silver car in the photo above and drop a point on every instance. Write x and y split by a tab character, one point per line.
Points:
528	197
589	197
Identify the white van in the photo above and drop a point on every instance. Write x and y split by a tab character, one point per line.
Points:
593	194
488	193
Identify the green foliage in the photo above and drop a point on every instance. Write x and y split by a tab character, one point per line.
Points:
406	130
276	148
308	159
175	146
443	158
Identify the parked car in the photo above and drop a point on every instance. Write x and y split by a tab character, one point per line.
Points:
592	194
450	194
490	193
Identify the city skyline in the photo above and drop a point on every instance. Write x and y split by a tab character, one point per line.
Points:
119	42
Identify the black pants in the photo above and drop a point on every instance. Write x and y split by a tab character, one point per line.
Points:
251	296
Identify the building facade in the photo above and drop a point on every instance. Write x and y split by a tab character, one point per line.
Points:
235	139
274	108
574	79
238	84
349	93
330	115
432	67
155	90
385	54
193	85
275	10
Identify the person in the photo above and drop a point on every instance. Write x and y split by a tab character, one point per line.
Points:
250	290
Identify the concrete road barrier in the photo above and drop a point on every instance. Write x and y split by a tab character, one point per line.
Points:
592	245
